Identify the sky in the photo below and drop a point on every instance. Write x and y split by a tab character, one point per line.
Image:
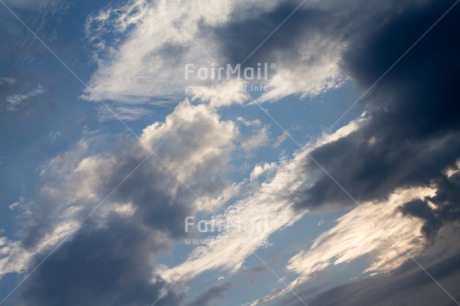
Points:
201	153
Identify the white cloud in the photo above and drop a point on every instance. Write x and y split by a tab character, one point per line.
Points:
280	139
195	145
376	229
142	48
316	71
453	170
139	68
14	258
222	94
257	140
16	204
199	140
209	203
261	169
258	135
123	113
268	210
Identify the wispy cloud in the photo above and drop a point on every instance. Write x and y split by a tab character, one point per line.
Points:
378	230
269	209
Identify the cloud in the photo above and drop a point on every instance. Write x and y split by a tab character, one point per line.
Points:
215	292
306	55
439	209
267	210
223	94
157	49
259	139
280	140
411	138
15	94
14	102
407	285
115	247
142	48
409	141
378	230
205	143
110	265
261	169
258	134
123	113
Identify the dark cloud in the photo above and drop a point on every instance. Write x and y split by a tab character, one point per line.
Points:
419	208
309	27
411	138
161	202
412	135
239	38
304	295
109	264
446	203
110	259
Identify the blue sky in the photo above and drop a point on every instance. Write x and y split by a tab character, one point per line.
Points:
346	167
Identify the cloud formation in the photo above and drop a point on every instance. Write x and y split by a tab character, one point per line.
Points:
399	162
268	209
215	292
109	257
106	265
411	138
407	285
377	230
156	40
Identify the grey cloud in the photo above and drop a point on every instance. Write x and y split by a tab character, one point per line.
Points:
110	259
412	135
102	265
211	294
171	53
373	170
241	37
151	190
311	23
411	138
111	262
407	286
161	201
447	199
